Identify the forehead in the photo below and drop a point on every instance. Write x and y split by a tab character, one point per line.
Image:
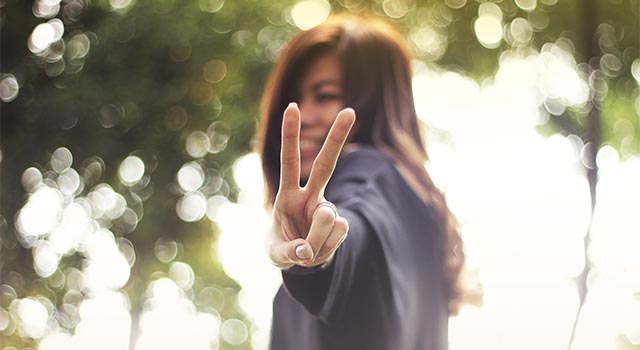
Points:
326	66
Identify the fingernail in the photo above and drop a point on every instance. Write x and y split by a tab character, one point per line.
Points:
301	252
293	104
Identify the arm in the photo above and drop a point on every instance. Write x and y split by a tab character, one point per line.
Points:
323	290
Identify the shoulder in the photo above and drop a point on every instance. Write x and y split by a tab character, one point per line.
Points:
361	162
360	154
357	171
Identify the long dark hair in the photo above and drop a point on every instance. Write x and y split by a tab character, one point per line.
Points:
376	76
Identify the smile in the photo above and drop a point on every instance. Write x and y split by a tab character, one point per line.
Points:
310	145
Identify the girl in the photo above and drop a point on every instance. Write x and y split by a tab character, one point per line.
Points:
370	254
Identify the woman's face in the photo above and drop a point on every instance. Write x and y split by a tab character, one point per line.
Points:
320	100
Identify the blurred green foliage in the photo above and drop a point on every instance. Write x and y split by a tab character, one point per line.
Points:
140	79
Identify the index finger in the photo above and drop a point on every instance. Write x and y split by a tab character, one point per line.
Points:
325	162
290	148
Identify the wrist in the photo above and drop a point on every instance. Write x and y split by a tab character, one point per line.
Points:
312	266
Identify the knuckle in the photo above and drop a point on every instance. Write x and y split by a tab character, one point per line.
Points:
344	226
325	215
288	160
320	166
342	223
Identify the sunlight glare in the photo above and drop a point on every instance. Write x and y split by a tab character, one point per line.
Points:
105	322
31	316
241	251
488	29
40	213
307	14
170	321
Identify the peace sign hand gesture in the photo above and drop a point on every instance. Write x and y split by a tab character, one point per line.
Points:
306	228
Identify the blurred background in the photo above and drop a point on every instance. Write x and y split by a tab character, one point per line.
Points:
131	200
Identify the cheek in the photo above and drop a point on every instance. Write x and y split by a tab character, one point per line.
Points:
331	113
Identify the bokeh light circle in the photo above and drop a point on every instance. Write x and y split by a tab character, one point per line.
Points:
165	250
214	204
110	115
214	71
191	207
182	274
218	133
9	88
234	331
41	212
41	37
45	260
635	70
61	159
211	6
488	30
455	4
197	144
69	182
31	315
527	5
191	177
131	170
520	30
46	8
309	13
31	179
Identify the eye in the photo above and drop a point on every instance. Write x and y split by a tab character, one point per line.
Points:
326	97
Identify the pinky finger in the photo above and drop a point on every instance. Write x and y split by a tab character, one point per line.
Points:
336	238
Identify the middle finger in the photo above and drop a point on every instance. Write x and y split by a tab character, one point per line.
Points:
325	162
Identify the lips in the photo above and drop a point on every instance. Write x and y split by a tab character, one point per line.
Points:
309	148
308	144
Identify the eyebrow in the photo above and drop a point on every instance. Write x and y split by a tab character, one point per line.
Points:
318	85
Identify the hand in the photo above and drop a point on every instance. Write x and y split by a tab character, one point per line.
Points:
306	228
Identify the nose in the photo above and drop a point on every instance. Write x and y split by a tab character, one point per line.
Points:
308	112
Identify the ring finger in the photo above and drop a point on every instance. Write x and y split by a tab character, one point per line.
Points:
322	223
336	237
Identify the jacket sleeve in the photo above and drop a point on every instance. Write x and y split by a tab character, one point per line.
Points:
324	291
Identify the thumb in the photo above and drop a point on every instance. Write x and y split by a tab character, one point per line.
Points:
285	253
